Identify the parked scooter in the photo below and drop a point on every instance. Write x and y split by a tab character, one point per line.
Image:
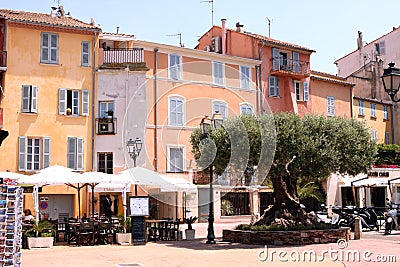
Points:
344	217
392	217
368	217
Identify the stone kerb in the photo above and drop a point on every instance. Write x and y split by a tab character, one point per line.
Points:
303	237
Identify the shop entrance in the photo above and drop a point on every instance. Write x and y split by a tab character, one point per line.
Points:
240	202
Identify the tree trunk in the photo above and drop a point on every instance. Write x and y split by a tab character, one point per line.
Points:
286	210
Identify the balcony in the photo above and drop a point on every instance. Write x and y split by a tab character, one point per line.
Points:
294	68
123	57
106	126
3	61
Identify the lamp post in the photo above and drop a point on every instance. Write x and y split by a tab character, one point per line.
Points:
391	81
134	148
207	125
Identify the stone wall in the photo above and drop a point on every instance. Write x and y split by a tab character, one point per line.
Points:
303	237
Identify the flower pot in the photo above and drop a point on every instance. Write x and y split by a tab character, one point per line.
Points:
40	242
123	238
190	233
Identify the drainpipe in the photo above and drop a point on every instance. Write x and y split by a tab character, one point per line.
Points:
351	102
223	36
93	95
392	120
155	109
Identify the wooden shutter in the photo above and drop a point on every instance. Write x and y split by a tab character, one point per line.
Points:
46	152
62	101
296	62
85	103
85	54
275	58
22	153
331	106
45	47
272	85
26	92
54	48
305	91
79	154
71	153
34	97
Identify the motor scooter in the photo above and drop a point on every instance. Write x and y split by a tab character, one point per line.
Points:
392	217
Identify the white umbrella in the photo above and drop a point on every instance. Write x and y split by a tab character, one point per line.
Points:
12	175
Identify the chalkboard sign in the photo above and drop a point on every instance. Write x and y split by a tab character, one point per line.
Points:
138	230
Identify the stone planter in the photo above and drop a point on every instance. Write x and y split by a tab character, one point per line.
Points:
40	242
123	238
190	234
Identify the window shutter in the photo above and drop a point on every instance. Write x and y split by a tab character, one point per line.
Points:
306	94
85	54
296	62
275	58
331	106
46	152
54	47
382	49
79	154
72	152
62	101
85	103
45	47
34	99
22	153
26	98
272	86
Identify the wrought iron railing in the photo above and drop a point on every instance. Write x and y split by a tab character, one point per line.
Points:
121	55
295	66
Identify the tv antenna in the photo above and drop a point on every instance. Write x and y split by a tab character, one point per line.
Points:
58	2
269	26
212	10
180	38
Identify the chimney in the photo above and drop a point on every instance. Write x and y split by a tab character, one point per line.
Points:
53	12
223	21
62	12
239	27
359	40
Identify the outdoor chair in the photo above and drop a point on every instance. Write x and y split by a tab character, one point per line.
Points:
85	234
60	229
104	234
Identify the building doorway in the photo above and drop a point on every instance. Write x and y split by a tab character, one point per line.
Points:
240	202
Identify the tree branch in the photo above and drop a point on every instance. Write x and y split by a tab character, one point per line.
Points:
287	164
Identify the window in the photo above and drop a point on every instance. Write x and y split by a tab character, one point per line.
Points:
331	105
176	111
302	94
106	109
387	138
176	163
33	153
220	107
373	110
380	48
374	135
175	67
360	108
85	54
385	112
75	153
246	109
49	48
273	86
69	104
245	78
218	73
283	61
297	90
105	162
296	61
29	98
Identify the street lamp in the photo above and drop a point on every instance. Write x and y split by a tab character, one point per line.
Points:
391	81
134	148
206	126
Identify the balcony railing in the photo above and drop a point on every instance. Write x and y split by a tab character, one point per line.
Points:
106	125
120	56
295	67
3	59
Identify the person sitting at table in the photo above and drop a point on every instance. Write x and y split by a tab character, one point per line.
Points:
28	217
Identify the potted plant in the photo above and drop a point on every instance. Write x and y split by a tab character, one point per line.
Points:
226	207
124	235
40	235
190	232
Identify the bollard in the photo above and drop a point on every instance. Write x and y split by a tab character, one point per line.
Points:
357	228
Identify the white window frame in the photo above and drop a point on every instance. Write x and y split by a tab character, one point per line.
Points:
169	163
75	153
218	73
105	106
373	110
220	103
385	112
26	154
387	138
244	107
175	68
360	107
374	134
29	102
175	112
297	90
46	48
273	86
330	106
79	104
245	77
85	57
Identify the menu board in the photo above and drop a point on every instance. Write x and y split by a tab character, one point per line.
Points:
139	206
138	230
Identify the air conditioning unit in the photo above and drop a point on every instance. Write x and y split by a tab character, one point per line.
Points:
106	128
216	44
207	48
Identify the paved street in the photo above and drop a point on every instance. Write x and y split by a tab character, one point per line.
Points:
197	253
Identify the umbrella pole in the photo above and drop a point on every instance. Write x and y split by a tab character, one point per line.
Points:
36	201
92	200
79	202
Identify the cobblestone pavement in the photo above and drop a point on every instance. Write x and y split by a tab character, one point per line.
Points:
372	246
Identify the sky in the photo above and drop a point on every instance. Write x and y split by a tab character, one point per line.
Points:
328	27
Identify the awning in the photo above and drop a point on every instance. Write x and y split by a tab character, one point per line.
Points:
179	184
107	187
371	181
